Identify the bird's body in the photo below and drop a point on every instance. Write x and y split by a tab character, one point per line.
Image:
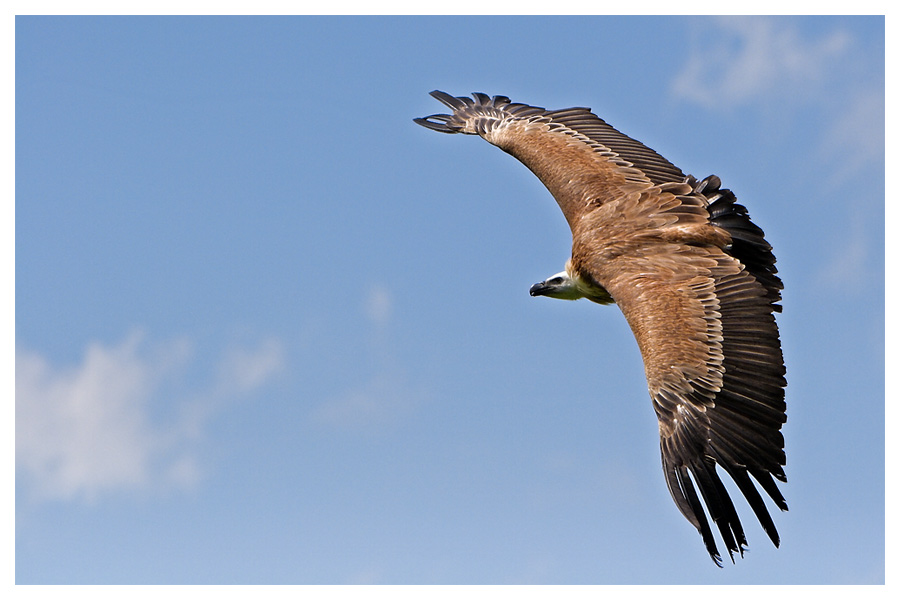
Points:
695	280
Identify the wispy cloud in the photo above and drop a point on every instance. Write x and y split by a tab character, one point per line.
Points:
244	369
387	397
847	267
378	305
768	65
737	60
855	139
87	430
381	402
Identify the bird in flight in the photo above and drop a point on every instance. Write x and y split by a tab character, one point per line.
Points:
696	281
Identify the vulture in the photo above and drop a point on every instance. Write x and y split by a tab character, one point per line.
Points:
696	281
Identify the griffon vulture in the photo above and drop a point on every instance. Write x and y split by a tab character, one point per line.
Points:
694	277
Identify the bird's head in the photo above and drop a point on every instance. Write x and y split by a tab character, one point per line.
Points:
560	286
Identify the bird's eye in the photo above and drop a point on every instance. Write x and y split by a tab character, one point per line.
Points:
555	281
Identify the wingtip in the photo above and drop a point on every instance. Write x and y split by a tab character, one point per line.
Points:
439	125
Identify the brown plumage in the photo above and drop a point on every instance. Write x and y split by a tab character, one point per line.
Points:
696	281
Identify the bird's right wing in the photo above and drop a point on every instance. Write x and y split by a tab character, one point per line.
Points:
581	159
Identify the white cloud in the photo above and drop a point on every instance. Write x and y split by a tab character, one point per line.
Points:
87	430
737	60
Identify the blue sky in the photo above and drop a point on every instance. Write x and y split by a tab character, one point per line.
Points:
268	330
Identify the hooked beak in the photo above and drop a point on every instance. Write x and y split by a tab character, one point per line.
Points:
539	289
